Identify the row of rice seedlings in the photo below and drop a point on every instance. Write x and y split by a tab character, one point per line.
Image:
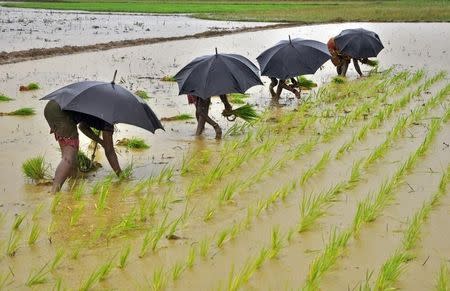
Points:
393	267
366	212
237	280
385	113
25	111
36	168
99	274
192	162
442	281
369	208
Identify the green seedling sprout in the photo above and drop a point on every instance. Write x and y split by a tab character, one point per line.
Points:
390	271
263	255
159	279
39	276
222	237
276	244
191	257
13	243
57	260
105	269
321	164
443	280
177	270
76	213
209	213
90	281
79	190
103	195
204	247
227	194
18	221
6	280
34	234
36	168
127	172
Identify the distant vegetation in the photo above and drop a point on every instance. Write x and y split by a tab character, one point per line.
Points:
277	11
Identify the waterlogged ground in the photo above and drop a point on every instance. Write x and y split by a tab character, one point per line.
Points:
256	208
23	29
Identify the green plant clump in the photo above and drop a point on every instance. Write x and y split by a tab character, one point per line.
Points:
246	112
237	98
179	117
168	79
33	86
133	143
36	168
26	111
143	94
4	98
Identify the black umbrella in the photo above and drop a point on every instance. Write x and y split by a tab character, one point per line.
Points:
217	74
292	58
358	43
107	101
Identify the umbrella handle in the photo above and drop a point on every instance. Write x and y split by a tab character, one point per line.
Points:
231	117
114	78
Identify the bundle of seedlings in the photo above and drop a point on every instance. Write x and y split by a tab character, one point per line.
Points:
143	94
26	111
85	164
247	112
29	87
372	63
133	143
237	98
168	79
305	84
37	170
5	98
179	117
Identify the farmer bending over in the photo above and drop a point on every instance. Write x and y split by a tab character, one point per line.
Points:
282	85
341	61
64	125
202	110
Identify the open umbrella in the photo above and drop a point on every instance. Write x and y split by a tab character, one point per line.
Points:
292	58
107	101
217	74
358	43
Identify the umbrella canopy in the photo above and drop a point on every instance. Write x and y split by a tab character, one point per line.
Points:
292	58
358	43
107	101
217	74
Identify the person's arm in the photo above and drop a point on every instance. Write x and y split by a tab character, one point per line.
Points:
357	68
108	146
225	102
87	131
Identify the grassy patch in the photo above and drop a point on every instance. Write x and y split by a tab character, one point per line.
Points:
237	98
283	11
179	117
29	87
143	94
26	111
168	79
36	168
133	143
4	98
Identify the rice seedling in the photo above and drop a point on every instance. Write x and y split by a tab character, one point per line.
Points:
90	281
246	112
76	251
204	247
327	258
237	98
36	168
443	279
391	269
105	269
223	235
58	284
260	206
249	217
25	111
33	86
39	276
127	172
165	175
179	117
235	281
177	270
276	243
159	279
304	83
84	163
209	213
13	243
124	256
55	202
34	234
134	143
79	190
316	168
355	174
6	280
168	79
103	196
143	94
227	194
18	219
57	259
190	260
76	213
263	255
4	98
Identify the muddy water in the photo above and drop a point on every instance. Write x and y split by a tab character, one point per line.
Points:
408	45
23	29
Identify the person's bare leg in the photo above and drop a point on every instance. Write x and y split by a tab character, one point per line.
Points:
279	88
108	146
357	68
203	106
65	168
200	119
344	68
273	83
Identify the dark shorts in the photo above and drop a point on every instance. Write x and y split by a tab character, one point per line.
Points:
61	124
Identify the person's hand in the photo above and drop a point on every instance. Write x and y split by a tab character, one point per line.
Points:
227	112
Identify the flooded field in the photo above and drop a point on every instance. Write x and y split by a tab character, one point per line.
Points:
23	29
318	195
